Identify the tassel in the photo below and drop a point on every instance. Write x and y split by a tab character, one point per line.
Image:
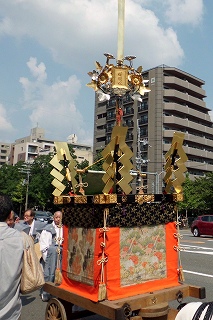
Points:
58	277
102	292
181	275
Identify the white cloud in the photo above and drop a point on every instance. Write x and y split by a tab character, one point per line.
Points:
53	106
38	71
5	124
185	11
79	32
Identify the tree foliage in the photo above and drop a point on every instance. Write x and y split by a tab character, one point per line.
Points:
198	194
98	162
14	181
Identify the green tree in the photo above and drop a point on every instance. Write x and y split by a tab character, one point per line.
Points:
98	162
40	187
18	195
203	188
11	183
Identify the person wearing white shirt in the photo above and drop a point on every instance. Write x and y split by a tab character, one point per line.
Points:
35	227
50	241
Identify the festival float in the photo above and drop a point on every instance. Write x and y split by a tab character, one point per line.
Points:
121	251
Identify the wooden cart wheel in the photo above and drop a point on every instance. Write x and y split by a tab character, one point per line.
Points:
55	310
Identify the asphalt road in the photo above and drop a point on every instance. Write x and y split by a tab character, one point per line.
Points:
197	261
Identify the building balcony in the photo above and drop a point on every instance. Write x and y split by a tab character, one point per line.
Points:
143	108
129	136
202	140
100	133
185	123
204	154
185	98
128	111
143	121
110	117
184	84
184	109
199	166
130	124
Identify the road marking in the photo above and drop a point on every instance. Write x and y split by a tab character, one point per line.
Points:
199	274
192	241
199	252
196	247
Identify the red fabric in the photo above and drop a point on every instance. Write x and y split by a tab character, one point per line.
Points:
90	292
112	268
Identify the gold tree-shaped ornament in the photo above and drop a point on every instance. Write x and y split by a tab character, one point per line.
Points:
175	165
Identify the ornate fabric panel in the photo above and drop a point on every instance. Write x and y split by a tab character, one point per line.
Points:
81	244
120	215
142	254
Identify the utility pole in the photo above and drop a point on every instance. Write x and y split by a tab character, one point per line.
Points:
140	161
27	189
26	169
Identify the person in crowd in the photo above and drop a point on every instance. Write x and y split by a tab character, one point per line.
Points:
50	241
36	227
13	222
11	253
11	219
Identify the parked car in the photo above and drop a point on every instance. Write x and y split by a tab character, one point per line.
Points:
44	216
202	225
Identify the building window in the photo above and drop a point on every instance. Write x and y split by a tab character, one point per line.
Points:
101	139
102	115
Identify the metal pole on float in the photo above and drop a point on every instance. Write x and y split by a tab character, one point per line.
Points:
121	14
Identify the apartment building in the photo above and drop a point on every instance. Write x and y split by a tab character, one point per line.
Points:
27	148
175	103
4	152
82	151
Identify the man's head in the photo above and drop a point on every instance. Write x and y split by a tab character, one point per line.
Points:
5	207
57	217
11	219
29	216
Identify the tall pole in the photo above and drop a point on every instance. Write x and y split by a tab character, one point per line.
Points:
27	190
121	14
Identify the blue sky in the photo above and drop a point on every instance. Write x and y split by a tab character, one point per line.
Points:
48	46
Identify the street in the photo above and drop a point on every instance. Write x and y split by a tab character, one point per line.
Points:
197	262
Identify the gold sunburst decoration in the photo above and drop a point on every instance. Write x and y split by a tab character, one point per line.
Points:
103	78
136	79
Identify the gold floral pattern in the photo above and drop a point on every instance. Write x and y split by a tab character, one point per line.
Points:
81	255
142	254
120	214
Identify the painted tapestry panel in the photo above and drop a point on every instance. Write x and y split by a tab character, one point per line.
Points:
142	254
81	244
